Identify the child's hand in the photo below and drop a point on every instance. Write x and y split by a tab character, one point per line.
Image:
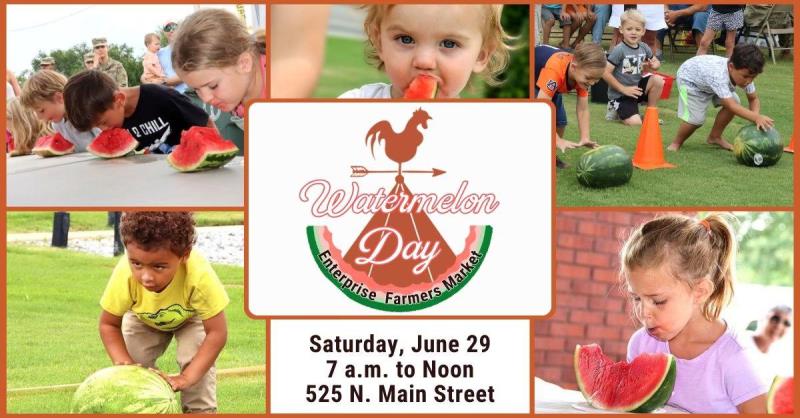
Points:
632	91
564	16
764	123
564	145
588	143
177	382
653	63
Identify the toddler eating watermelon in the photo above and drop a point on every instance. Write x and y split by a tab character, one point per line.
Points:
447	42
160	290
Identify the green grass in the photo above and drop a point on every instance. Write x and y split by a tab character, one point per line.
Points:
53	308
346	68
21	222
706	175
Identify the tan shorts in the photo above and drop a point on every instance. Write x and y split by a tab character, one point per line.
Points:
146	344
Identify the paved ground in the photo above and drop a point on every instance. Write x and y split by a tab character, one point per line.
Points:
220	244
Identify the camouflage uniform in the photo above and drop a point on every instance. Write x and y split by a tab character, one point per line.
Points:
112	67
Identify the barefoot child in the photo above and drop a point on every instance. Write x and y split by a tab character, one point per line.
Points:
448	42
679	273
627	86
153	73
44	93
707	79
153	114
217	57
559	72
163	289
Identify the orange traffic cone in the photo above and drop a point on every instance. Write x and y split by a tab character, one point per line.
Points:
790	148
649	153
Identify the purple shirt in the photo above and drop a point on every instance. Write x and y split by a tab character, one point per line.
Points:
716	381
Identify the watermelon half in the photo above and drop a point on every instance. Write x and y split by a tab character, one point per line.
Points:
756	148
422	87
53	146
780	399
641	386
125	390
113	143
605	166
201	148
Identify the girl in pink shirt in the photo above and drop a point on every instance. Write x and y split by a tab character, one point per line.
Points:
153	73
215	55
679	274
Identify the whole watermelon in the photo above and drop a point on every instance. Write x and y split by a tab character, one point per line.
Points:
125	390
605	166
756	148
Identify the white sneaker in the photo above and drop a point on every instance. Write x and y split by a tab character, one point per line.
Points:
611	112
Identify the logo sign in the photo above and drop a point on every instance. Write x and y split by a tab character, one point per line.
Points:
399	261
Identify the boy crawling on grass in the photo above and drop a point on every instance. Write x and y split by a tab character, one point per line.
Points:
164	289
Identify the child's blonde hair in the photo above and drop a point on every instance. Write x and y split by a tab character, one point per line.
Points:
495	38
41	87
25	127
590	57
632	15
150	37
213	38
692	250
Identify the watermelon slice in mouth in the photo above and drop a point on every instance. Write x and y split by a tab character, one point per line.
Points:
201	148
780	399
643	385
113	143
422	87
53	146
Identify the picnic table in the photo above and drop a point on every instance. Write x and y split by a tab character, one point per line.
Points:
553	399
83	179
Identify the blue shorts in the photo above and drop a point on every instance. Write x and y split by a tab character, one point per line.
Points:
558	102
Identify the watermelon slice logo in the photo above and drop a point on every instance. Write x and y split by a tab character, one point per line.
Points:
400	261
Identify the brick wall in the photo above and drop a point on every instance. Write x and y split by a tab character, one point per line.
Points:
589	307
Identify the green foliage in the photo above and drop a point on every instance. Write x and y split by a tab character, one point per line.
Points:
64	313
706	175
516	78
70	61
766	248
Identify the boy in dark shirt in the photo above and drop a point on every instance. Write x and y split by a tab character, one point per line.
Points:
153	114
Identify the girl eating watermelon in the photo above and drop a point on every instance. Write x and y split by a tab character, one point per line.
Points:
215	55
679	273
446	43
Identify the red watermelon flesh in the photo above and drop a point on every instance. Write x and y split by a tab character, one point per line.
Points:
640	386
201	148
422	87
53	146
780	399
113	143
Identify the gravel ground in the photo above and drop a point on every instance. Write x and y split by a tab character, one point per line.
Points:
222	245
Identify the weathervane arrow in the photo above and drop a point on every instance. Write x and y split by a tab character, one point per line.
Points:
361	171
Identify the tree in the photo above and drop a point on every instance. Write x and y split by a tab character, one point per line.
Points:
766	248
70	61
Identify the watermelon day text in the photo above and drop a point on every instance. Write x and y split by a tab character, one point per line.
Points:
427	368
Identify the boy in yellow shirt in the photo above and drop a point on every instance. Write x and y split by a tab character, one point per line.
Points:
164	289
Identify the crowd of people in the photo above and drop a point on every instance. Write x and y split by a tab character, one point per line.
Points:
210	55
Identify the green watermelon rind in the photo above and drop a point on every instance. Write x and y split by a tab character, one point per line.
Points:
312	233
618	173
211	159
745	152
656	399
777	382
90	398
